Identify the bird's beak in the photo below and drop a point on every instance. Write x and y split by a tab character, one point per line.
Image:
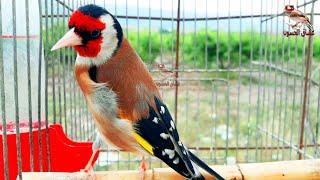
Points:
69	39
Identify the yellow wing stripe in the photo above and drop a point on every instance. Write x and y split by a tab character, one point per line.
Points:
144	143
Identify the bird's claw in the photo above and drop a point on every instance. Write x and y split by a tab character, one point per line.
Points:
143	169
89	172
87	169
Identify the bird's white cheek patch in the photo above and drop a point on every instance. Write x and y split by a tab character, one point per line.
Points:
108	46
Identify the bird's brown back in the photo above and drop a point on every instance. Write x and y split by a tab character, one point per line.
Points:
129	78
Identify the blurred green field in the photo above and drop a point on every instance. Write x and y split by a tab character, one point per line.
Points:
193	46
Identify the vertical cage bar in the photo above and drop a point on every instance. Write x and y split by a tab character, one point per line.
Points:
217	37
281	78
172	35
269	79
215	125
195	33
16	87
228	85
266	122
177	65
287	77
206	42
52	61
3	106
40	84
275	80
64	59
59	58
138	24
29	85
46	97
149	31
259	85
239	82
250	84
70	79
161	48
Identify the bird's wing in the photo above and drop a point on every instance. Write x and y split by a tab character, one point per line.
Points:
159	136
298	13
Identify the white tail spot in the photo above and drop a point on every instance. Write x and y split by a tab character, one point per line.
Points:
176	160
164	136
155	120
163	110
184	152
172	124
163	153
170	153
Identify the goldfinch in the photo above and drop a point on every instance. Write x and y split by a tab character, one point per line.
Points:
121	94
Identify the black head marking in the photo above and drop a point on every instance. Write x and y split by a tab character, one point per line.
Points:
93	73
93	10
96	12
118	28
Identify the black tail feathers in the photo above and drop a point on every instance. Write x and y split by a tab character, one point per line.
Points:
204	166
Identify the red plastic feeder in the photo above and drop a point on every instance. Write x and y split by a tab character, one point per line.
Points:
65	155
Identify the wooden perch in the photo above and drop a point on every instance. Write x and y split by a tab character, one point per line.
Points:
301	169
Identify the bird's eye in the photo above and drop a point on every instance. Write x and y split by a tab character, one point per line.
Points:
95	33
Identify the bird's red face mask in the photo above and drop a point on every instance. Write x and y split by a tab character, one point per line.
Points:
84	35
289	8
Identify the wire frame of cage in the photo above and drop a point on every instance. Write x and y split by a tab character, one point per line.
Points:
244	95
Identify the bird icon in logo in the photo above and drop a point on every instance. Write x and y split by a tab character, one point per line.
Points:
298	17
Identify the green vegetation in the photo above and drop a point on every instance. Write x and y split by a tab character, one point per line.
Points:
193	47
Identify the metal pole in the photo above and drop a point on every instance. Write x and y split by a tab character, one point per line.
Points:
3	108
16	86
305	91
39	86
177	65
29	85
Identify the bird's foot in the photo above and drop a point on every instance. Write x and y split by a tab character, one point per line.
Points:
89	167
89	171
143	169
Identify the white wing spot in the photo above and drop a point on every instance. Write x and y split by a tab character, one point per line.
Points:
172	124
170	153
171	129
163	110
176	160
184	152
163	153
155	120
164	136
180	143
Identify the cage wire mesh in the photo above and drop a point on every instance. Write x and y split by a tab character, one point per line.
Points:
236	87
